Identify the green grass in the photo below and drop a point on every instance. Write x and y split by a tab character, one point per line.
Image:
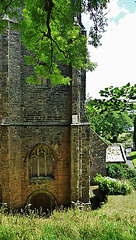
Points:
116	220
133	157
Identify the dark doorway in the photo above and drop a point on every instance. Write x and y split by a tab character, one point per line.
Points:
42	200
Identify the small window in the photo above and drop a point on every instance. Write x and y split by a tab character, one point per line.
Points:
41	159
43	82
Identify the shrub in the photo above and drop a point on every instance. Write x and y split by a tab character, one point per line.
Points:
113	187
133	157
134	162
133	182
125	137
120	171
131	173
115	171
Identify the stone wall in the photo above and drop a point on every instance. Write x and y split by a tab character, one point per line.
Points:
97	155
50	104
17	184
44	115
80	160
49	115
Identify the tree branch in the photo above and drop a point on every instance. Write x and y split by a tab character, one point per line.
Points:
8	5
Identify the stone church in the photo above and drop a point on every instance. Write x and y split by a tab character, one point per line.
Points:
49	155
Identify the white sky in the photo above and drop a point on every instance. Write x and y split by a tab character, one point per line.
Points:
116	57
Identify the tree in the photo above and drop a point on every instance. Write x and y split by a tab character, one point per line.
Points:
109	125
53	35
113	113
114	99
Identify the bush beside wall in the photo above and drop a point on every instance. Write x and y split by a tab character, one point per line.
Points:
120	171
112	186
133	157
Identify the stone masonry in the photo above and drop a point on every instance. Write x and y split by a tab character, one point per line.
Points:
47	149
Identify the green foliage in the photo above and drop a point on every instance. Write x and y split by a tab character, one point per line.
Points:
133	157
120	171
53	35
99	20
49	33
125	91
114	99
133	182
125	138
133	154
9	10
113	187
108	125
134	162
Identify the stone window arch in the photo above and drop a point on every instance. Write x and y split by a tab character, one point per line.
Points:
42	159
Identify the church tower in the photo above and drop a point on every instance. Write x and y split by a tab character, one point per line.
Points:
44	134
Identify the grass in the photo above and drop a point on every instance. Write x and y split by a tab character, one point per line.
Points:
133	157
116	220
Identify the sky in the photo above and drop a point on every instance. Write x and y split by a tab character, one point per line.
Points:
116	58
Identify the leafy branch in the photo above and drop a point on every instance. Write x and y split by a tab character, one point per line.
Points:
114	99
50	34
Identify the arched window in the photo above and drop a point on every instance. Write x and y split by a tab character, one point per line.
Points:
42	160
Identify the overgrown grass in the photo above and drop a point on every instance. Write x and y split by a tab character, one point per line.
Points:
133	157
116	220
